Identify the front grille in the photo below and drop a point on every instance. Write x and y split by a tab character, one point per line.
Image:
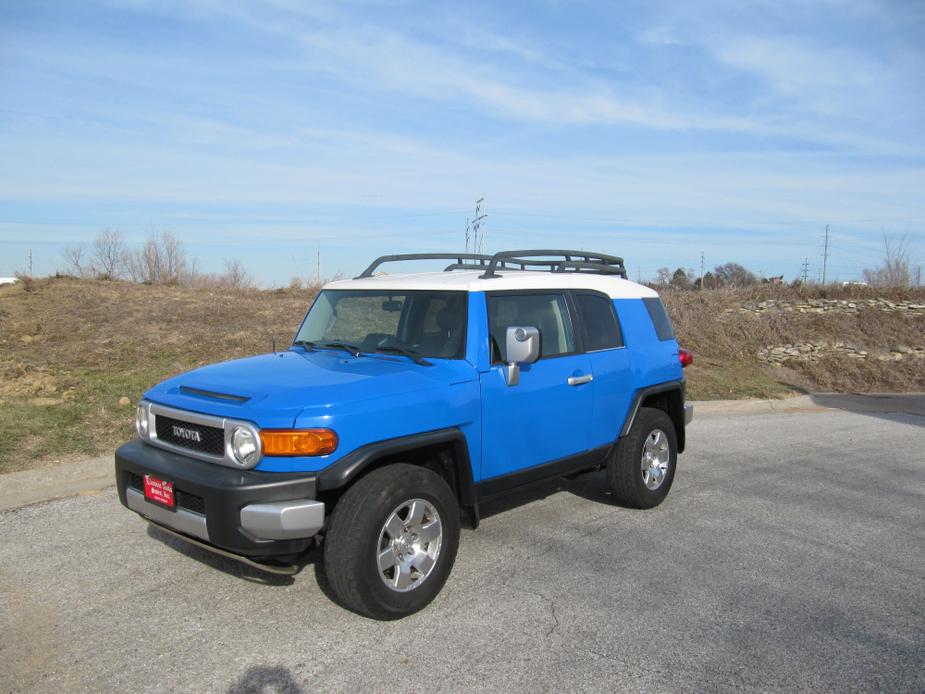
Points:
211	439
185	500
135	481
190	502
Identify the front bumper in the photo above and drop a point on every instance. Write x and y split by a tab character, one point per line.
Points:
254	514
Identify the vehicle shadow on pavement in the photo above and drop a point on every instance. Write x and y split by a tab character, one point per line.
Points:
907	408
230	566
261	678
312	557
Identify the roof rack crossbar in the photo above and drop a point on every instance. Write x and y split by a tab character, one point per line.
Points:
460	259
555	261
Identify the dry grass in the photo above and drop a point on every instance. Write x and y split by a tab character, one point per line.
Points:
725	344
75	355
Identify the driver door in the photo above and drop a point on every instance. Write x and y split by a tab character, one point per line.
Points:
544	418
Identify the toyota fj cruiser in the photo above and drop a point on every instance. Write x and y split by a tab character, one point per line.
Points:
404	402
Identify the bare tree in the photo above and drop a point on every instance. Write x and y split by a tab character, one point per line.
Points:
734	275
896	270
161	260
109	254
662	276
74	261
236	276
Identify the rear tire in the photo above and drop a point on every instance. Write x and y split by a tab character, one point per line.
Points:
391	541
641	469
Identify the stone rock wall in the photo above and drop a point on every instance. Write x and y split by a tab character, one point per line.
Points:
911	308
813	351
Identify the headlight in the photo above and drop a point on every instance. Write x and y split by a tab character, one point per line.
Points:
141	420
245	446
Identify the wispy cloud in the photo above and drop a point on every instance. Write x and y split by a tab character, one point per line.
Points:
327	117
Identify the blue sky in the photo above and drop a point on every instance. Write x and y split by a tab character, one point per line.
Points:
269	129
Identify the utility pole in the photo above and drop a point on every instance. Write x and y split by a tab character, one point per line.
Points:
30	262
477	242
805	269
825	254
701	269
467	234
638	275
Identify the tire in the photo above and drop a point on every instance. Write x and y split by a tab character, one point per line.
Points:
641	476
381	555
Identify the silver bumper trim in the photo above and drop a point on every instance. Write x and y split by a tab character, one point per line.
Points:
283	520
185	521
688	412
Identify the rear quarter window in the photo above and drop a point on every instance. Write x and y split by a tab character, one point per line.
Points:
659	317
599	321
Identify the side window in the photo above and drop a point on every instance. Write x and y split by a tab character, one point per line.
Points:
659	317
600	322
548	312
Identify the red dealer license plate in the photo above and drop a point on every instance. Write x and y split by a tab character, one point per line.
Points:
159	491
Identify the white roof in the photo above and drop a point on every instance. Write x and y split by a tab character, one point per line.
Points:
468	280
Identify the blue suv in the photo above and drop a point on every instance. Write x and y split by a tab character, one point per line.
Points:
404	403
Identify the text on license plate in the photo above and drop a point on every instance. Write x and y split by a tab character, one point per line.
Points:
159	491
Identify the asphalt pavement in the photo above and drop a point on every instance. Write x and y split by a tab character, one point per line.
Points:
790	555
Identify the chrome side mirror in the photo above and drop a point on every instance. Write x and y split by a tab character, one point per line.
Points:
522	347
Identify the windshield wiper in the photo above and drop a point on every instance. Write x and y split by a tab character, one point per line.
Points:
307	344
353	350
410	353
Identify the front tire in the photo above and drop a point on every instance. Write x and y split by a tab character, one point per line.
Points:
641	468
391	541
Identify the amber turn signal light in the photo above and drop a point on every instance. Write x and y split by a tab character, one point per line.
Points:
298	441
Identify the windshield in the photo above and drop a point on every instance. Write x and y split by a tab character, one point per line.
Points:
431	324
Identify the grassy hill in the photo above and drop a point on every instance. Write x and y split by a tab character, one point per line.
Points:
75	355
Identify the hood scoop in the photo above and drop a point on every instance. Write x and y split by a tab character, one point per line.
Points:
226	397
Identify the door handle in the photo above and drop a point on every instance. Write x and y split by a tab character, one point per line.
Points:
578	380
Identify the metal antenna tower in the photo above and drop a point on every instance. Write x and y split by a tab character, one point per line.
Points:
477	242
805	269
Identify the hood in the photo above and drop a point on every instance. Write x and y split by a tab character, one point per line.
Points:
272	389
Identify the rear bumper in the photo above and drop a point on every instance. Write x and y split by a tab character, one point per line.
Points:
254	514
688	412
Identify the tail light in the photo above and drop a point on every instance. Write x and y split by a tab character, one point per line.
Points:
686	357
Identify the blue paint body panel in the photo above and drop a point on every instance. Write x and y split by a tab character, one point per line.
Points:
376	397
613	394
652	361
539	420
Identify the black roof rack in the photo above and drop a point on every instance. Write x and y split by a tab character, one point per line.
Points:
539	260
555	261
460	258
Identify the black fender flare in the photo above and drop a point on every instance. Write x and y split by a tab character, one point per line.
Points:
341	473
676	417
